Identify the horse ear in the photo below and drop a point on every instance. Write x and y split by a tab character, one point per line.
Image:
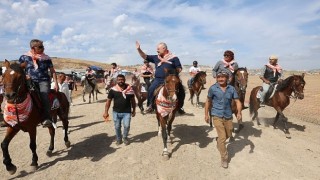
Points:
6	63
302	75
165	70
23	65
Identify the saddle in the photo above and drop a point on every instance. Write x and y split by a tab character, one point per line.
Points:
35	96
270	93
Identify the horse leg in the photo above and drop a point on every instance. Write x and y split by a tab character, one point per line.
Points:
169	127
83	93
11	168
52	133
63	115
165	152
198	105
275	120
286	129
65	123
90	97
33	147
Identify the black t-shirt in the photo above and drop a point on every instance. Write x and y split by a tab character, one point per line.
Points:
121	104
71	85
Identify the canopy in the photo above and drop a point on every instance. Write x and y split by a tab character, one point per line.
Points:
96	68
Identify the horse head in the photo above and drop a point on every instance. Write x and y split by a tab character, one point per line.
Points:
171	84
241	79
293	84
14	81
297	86
201	77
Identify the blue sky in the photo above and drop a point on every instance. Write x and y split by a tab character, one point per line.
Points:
106	30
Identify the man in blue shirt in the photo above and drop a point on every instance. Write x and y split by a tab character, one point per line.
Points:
37	66
220	96
164	59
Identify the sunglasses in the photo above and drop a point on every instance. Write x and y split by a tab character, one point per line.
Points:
226	55
40	47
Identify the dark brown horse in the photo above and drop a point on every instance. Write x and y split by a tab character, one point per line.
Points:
280	100
25	114
140	94
197	85
166	107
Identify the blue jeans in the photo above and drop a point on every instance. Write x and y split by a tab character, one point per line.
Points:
125	118
44	88
156	83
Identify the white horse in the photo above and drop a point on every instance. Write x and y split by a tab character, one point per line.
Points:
89	86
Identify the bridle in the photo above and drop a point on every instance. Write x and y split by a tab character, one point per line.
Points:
176	90
295	91
241	86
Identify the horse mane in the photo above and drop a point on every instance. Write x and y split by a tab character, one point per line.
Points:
198	75
172	72
242	69
285	83
16	67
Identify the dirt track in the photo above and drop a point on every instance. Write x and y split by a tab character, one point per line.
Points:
258	152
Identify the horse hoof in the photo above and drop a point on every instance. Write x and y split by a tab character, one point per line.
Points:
49	153
165	155
12	169
288	136
68	144
34	168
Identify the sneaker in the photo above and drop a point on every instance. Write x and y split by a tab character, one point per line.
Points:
118	142
126	141
47	123
224	164
181	111
149	109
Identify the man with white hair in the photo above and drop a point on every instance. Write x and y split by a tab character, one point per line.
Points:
164	60
271	73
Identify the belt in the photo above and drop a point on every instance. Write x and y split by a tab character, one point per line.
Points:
223	118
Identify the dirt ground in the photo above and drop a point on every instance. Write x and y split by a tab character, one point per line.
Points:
259	152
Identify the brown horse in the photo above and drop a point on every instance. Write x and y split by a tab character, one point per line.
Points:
197	85
140	94
166	106
25	114
240	84
280	100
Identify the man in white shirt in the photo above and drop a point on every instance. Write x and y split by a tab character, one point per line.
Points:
193	71
63	86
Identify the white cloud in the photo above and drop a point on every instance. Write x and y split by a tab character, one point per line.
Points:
119	20
43	26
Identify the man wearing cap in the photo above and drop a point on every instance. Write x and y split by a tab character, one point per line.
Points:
193	70
146	73
164	60
218	104
271	73
227	64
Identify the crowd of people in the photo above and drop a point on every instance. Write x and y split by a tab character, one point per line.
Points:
218	102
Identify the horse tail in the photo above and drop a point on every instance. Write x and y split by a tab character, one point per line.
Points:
97	90
252	99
